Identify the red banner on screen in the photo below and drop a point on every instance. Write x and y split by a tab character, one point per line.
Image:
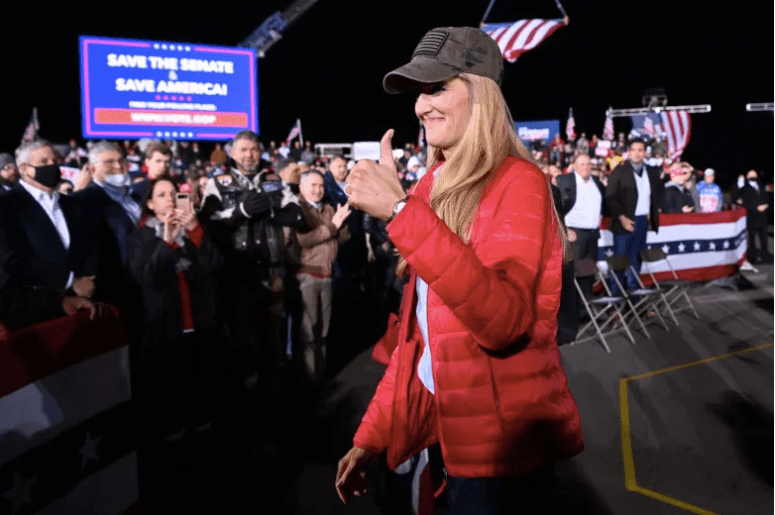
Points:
183	118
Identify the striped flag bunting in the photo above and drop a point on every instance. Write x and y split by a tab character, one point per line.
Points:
699	246
516	38
66	425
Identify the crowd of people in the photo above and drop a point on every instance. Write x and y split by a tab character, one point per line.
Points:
251	218
242	259
247	260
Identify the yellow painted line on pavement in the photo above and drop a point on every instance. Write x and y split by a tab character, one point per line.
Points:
630	480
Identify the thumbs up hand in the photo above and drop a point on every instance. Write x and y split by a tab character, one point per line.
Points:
375	187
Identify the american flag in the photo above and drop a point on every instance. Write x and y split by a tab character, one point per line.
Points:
570	127
295	131
516	38
646	125
608	129
31	132
67	447
678	129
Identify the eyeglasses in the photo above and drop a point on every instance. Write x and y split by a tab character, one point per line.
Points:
113	162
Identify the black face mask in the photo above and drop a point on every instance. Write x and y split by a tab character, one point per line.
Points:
48	175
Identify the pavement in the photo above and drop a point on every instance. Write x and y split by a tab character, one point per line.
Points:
678	422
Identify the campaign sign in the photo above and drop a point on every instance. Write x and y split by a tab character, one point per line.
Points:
134	89
537	130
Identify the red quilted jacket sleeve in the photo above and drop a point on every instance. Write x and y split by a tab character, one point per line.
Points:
374	431
490	285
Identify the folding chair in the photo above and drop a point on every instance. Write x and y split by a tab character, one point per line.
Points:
606	309
675	289
639	300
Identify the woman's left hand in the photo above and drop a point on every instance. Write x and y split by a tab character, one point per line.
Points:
187	217
375	188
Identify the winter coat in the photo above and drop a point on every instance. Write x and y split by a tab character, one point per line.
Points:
156	264
675	198
319	239
502	406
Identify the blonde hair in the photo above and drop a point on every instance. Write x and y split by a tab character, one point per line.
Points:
489	138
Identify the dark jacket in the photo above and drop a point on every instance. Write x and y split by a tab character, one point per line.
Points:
247	242
153	262
41	258
24	305
110	228
752	198
621	196
352	253
567	185
675	198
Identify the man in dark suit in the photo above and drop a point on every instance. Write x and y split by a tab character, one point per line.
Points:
582	206
582	200
44	229
27	305
113	210
633	197
755	202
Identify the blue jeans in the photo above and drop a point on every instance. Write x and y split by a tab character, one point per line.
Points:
630	245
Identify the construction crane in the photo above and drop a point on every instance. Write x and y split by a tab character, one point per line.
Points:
270	31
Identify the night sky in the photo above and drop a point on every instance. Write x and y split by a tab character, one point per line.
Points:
328	68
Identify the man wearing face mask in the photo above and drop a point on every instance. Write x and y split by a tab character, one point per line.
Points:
109	194
755	202
45	229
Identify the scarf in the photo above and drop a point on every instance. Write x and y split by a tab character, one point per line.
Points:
120	195
183	262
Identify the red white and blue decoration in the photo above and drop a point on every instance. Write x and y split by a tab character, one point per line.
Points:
67	443
699	246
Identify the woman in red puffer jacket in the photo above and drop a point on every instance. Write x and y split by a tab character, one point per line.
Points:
476	365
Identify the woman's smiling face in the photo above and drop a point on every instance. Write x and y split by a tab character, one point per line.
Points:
444	110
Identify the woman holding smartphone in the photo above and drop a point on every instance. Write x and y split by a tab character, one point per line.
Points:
173	260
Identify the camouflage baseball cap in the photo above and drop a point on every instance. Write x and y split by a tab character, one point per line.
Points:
445	52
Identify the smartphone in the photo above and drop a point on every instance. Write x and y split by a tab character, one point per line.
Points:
182	200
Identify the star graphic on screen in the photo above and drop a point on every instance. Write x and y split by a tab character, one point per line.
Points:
19	492
726	244
696	246
89	449
681	247
712	246
665	249
609	253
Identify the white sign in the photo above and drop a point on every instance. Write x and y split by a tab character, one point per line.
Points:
602	148
366	150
